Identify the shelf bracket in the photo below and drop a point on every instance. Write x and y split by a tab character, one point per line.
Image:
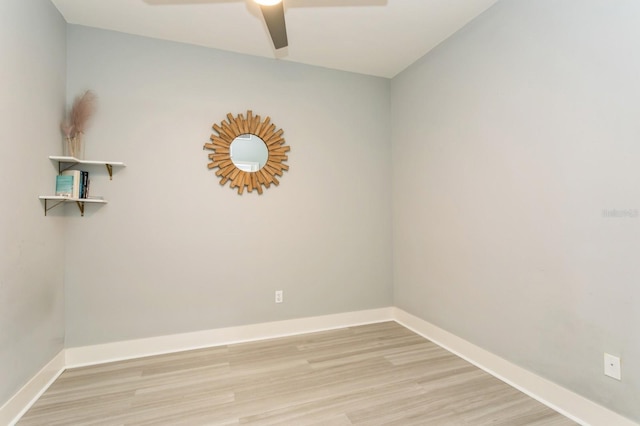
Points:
81	207
62	168
46	208
67	166
110	170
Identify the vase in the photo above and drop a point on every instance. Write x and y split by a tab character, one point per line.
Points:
75	146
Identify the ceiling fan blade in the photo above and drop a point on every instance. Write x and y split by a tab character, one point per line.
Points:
274	17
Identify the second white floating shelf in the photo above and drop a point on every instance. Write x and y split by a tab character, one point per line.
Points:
61	159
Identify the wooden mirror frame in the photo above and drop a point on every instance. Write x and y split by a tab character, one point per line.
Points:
220	144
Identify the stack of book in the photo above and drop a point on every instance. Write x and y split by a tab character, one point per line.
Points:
73	184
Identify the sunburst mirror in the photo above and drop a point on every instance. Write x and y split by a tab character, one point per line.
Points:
248	152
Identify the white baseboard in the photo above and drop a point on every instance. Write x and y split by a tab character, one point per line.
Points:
117	351
13	409
564	401
568	403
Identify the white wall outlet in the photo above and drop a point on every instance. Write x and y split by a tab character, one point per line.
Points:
612	366
279	296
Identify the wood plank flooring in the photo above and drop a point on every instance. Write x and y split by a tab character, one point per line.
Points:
379	374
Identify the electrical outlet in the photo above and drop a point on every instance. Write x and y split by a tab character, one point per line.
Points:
279	296
612	366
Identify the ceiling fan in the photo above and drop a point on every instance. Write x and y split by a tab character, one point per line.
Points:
273	12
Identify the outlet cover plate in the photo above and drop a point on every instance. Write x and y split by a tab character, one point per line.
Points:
612	366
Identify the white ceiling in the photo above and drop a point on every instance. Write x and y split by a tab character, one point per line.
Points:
375	37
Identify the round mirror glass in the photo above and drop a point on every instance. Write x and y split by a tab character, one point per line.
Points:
249	153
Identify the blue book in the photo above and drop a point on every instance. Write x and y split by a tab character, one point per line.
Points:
76	175
64	185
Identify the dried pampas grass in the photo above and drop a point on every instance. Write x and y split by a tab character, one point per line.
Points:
82	110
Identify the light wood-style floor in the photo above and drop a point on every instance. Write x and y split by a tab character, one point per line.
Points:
379	374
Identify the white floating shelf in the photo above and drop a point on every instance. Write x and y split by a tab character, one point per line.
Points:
73	160
58	199
63	159
82	200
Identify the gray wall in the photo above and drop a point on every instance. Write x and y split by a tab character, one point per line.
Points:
32	99
509	141
173	251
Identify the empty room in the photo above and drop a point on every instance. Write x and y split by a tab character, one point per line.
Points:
320	212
